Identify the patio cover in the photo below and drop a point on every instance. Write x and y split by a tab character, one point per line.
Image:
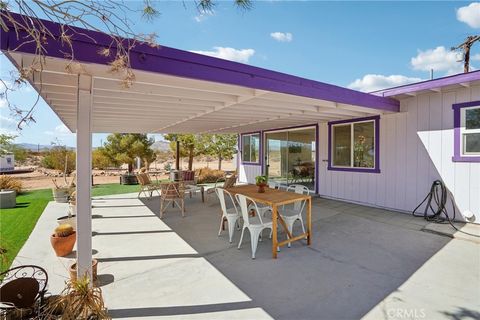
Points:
175	91
180	91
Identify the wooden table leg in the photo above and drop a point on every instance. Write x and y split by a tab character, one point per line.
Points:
274	231
309	221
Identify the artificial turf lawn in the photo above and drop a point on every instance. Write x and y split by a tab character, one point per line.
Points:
17	223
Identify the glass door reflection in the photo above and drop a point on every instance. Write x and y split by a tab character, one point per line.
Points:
290	157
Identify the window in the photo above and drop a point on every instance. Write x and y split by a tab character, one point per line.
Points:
354	145
250	147
470	130
467	132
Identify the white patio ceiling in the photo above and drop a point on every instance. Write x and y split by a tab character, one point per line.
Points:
159	103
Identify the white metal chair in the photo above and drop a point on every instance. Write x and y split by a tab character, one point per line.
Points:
292	213
255	224
230	214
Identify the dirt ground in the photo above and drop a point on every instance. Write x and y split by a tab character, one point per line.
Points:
42	178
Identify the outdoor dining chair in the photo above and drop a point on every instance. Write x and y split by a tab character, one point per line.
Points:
292	213
22	291
229	214
255	224
172	193
147	185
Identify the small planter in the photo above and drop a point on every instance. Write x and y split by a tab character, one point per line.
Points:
73	271
63	245
261	187
61	195
128	179
71	220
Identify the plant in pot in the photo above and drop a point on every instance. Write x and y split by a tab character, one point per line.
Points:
63	239
261	182
73	271
71	218
78	300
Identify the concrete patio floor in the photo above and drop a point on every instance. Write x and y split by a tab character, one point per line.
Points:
363	262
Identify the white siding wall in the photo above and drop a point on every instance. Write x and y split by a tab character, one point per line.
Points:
247	173
416	147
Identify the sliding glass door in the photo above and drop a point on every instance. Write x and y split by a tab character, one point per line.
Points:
290	156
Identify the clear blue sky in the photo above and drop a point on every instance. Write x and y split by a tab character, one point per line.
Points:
361	45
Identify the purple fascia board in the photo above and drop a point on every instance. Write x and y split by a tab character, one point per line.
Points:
377	145
457	139
429	84
259	162
175	62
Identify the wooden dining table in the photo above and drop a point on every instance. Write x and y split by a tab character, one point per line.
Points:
275	198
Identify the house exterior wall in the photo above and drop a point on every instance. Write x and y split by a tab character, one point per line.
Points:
416	148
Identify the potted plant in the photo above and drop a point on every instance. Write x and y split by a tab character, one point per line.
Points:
78	300
261	182
72	212
63	240
61	193
73	271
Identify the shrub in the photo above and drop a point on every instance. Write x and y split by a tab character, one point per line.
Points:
8	182
55	159
100	160
207	175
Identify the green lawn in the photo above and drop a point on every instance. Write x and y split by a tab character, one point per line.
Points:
17	223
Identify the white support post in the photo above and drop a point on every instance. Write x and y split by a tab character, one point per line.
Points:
84	174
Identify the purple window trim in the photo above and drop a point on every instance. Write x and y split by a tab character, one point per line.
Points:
457	139
317	152
376	169
248	163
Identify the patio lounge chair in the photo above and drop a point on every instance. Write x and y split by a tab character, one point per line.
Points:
255	224
172	193
146	185
22	287
224	183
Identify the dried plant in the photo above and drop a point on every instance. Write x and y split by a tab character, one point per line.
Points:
79	300
107	16
8	182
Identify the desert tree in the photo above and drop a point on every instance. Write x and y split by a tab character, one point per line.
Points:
126	147
221	146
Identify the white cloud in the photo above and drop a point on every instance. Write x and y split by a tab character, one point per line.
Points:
202	16
374	82
470	14
282	36
438	59
239	55
60	130
6	121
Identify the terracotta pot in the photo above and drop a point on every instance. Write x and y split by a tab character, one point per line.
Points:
63	245
261	187
73	271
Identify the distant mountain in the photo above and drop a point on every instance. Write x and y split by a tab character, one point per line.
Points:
161	146
38	147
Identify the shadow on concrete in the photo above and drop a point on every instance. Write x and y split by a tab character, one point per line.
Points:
104	279
176	311
359	255
95	233
139	258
